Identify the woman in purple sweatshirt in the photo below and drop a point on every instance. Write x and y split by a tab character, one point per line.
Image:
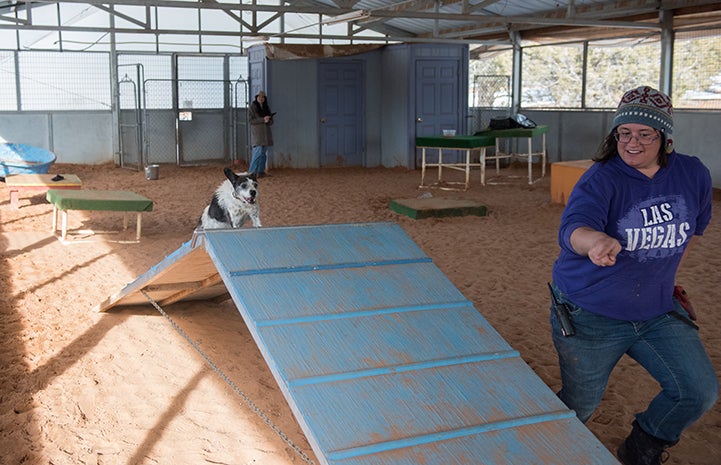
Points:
628	223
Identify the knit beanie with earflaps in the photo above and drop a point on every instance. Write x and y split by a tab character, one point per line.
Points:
645	105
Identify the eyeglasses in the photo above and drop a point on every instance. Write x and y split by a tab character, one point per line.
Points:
643	138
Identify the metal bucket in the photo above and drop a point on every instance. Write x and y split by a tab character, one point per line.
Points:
151	172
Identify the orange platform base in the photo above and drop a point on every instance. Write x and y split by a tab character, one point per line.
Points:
565	175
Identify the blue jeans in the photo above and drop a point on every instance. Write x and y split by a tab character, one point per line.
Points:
668	348
260	157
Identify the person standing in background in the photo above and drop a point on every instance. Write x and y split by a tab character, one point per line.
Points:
629	222
261	136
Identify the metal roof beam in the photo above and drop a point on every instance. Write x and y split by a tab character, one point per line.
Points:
210	5
232	14
144	24
508	20
480	6
425	20
12	19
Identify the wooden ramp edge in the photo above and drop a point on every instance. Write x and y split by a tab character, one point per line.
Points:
381	359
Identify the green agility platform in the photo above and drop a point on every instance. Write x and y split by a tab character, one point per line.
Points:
437	207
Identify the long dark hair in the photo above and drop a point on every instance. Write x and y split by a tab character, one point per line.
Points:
261	110
609	149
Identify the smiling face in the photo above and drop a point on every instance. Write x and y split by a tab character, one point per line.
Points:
244	186
641	148
247	190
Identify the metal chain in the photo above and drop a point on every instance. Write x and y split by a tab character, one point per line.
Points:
230	382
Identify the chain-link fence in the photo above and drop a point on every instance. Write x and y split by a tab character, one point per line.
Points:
64	81
204	125
196	118
131	116
491	98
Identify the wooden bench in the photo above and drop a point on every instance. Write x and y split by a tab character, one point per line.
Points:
38	183
98	200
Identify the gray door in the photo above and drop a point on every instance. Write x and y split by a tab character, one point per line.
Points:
341	110
437	100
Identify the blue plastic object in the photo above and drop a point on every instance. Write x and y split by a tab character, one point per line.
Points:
24	159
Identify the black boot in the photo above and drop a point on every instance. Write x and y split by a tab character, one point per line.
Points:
640	448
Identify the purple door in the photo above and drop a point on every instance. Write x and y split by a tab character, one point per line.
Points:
341	110
437	102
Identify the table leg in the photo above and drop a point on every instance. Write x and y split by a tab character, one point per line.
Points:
14	194
468	168
138	227
543	156
64	227
498	151
482	157
530	160
423	166
55	219
440	165
125	221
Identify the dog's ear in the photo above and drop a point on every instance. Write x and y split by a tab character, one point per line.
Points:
229	174
253	176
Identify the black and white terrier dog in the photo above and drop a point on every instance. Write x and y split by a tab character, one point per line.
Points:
234	202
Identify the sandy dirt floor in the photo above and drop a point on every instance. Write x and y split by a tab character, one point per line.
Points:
123	387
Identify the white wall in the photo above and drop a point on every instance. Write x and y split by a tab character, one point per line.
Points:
86	136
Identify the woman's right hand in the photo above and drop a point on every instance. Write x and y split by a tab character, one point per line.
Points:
599	247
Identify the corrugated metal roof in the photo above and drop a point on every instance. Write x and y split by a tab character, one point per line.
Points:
486	22
493	20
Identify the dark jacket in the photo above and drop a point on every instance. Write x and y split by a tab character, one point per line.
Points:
260	133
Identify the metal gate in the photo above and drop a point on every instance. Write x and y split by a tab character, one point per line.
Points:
187	122
131	117
240	124
201	125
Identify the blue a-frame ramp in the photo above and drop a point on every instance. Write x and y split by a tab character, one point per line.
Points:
382	360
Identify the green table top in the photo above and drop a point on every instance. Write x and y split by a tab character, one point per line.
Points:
123	201
455	142
515	132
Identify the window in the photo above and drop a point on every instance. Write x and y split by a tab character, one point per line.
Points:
490	80
64	81
619	65
8	96
154	69
697	70
552	76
